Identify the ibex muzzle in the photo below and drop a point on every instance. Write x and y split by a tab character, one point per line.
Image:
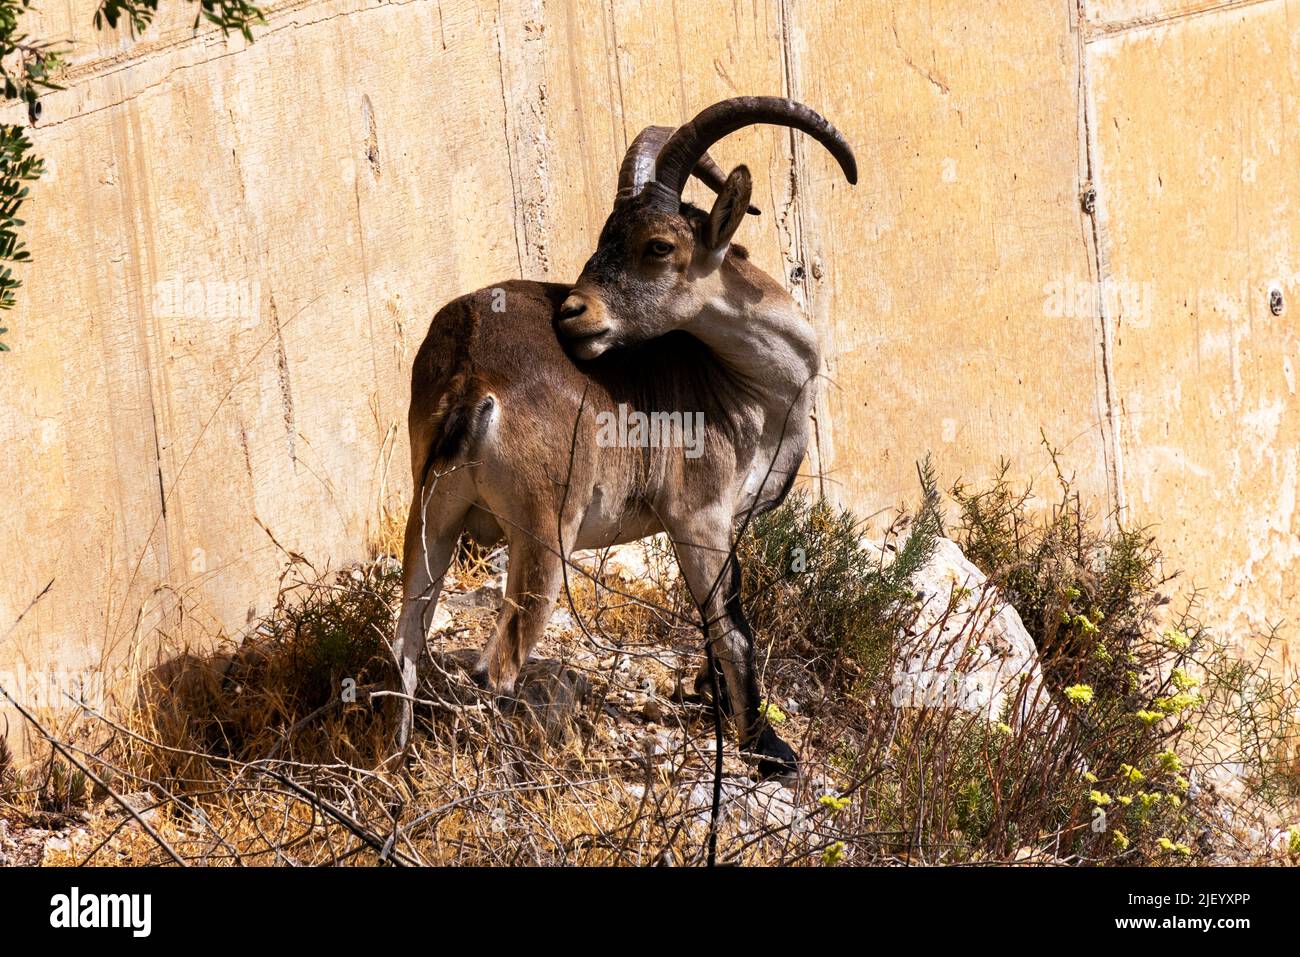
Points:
667	318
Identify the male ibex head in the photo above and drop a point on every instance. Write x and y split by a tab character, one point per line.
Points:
512	382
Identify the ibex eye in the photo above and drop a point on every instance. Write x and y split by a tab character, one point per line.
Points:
660	248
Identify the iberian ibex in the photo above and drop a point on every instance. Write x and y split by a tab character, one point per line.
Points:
667	317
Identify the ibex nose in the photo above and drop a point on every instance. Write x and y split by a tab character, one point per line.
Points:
572	308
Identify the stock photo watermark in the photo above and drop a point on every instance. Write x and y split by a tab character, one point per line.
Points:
1075	298
213	299
54	689
75	910
634	429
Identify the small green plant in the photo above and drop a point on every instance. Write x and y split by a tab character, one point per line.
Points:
64	789
328	632
8	773
771	712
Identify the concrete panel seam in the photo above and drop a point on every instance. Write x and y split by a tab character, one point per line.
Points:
822	448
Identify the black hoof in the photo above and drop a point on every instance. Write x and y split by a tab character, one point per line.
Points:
777	758
479	678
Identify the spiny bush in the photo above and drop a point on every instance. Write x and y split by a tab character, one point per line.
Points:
331	632
1250	712
1088	596
1154	701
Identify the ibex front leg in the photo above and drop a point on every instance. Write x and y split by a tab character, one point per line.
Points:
712	573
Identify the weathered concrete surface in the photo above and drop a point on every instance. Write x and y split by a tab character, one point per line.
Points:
934	293
240	247
1196	162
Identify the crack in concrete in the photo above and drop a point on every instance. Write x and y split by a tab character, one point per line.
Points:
141	53
1101	29
286	386
1095	239
821	452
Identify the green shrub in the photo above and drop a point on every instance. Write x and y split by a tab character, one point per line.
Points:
819	596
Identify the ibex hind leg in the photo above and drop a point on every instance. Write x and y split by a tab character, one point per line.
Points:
536	573
432	529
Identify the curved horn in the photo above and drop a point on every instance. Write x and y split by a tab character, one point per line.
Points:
683	150
638	166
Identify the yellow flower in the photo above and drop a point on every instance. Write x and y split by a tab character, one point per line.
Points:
1182	680
1169	761
771	712
1165	844
1125	800
1120	840
1079	694
1174	800
1175	704
1098	798
1148	799
1293	840
1131	774
1085	625
1181	783
833	854
1002	728
1177	640
833	802
1090	777
1149	717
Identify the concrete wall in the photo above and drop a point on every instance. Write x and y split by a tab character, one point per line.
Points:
239	248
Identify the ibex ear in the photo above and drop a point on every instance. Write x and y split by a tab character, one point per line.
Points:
729	208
